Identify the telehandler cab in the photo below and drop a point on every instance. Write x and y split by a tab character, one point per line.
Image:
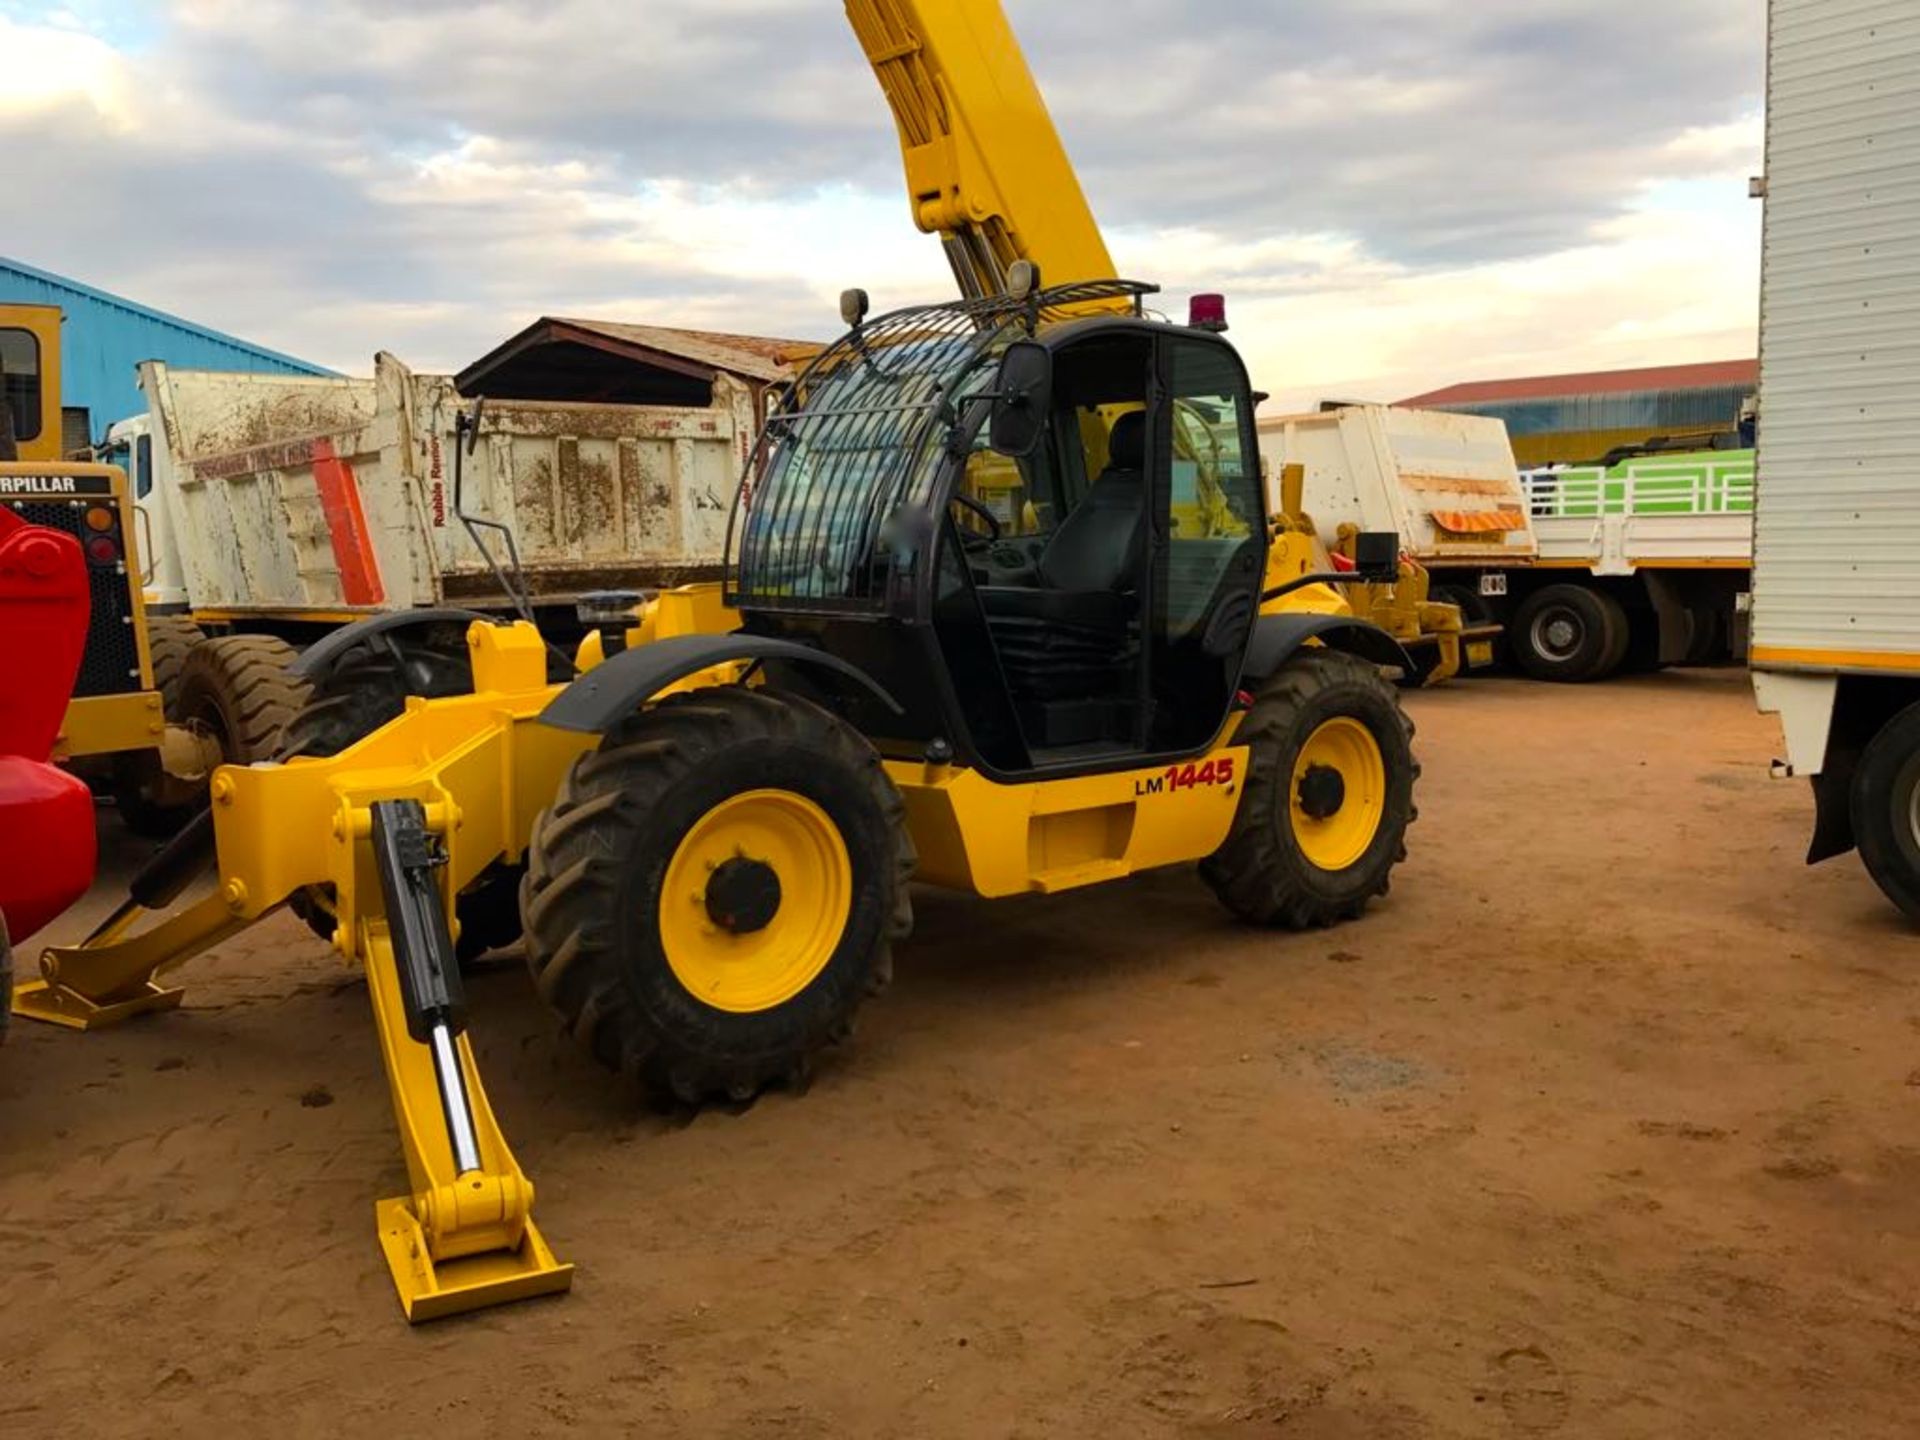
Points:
1005	612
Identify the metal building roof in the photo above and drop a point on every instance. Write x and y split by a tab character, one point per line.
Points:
106	336
602	360
1711	375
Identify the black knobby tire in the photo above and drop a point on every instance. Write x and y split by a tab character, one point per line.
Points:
1260	872
365	689
242	687
598	864
1885	806
151	803
170	639
1569	633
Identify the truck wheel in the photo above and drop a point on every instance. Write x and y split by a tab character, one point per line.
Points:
369	686
152	803
1471	604
715	890
1327	799
1708	645
1885	809
1569	633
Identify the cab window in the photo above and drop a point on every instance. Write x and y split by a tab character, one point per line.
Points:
20	381
143	466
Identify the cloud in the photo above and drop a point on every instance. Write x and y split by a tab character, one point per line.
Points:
1414	186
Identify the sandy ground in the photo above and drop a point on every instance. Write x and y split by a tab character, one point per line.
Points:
1606	1123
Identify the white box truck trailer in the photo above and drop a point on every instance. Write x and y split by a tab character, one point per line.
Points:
1836	597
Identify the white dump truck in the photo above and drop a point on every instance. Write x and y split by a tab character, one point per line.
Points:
588	459
1642	558
1836	596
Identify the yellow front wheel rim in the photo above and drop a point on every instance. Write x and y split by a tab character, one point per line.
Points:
756	900
1339	793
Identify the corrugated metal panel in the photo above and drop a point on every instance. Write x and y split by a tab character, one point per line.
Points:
1837	535
1710	375
106	337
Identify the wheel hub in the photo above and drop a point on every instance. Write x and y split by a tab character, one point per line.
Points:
1556	634
1322	792
743	897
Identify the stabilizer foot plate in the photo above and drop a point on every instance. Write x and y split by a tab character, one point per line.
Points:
57	1005
432	1291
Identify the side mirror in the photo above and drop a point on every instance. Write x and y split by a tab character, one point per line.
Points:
1023	394
1376	556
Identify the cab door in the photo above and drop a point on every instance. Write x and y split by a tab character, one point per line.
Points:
30	381
1209	540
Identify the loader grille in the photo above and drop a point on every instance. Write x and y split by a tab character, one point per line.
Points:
111	664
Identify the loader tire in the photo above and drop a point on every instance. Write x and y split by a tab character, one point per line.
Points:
1885	806
695	990
1327	798
1570	633
243	689
369	686
153	804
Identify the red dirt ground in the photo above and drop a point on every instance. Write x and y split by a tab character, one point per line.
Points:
1607	1122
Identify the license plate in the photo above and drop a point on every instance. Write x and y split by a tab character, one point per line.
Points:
1494	584
1479	652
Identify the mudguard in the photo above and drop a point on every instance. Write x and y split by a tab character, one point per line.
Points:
317	659
1276	637
607	694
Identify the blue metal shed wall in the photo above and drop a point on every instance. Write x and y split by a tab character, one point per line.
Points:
105	337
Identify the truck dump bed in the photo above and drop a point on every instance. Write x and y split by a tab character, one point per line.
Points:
1446	484
306	498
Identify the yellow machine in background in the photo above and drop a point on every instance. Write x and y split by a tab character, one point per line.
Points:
116	707
1004	612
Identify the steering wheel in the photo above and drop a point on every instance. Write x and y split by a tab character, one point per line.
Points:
968	502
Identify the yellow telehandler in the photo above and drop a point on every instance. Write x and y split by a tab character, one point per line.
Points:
1003	612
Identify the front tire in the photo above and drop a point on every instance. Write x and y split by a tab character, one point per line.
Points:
715	892
1885	805
1328	796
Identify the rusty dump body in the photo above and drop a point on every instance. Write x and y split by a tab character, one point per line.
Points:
288	499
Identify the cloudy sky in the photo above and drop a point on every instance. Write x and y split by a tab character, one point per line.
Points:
1394	193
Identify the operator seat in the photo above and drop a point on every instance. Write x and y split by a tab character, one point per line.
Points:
1066	635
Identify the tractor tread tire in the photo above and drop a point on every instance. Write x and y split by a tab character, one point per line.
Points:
1258	873
248	680
599	854
170	639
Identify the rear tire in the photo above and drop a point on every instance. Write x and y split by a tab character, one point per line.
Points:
681	998
153	804
242	687
368	687
1885	806
1282	866
1471	604
1570	634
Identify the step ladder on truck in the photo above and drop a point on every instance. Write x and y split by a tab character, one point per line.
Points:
1836	602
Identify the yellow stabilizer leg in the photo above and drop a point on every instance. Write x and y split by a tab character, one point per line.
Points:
107	979
460	1241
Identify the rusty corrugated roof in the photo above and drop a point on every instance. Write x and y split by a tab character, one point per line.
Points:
1595	382
758	357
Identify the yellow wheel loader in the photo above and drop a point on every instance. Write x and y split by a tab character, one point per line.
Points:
1004	613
